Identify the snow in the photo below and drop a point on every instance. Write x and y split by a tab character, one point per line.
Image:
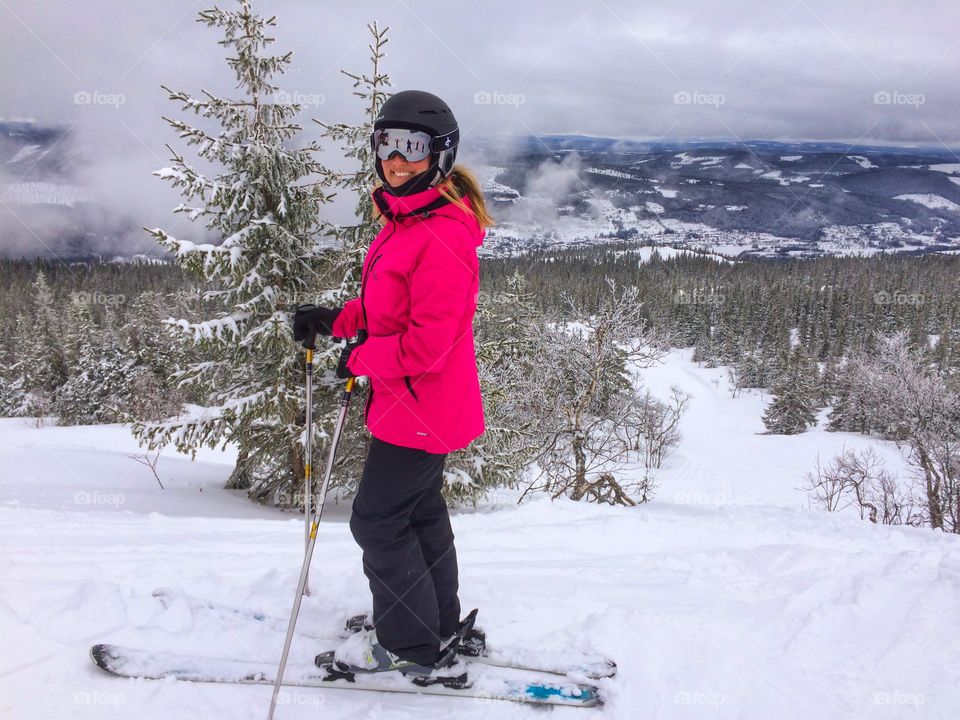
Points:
683	159
862	162
487	174
356	651
790	158
934	202
25	152
949	168
742	166
665	252
726	596
609	172
779	177
666	192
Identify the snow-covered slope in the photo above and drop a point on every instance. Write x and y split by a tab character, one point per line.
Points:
935	202
723	598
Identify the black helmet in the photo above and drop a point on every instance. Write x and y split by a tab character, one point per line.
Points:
423	111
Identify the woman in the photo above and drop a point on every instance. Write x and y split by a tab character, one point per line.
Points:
419	289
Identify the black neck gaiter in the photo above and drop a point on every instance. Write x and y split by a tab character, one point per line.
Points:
418	183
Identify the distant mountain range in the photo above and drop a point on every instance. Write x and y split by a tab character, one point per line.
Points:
761	198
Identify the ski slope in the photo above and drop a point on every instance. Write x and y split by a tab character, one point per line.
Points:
725	597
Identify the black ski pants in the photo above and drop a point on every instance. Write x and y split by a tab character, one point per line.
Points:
400	520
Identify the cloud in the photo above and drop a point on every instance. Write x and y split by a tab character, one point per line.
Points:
807	70
549	185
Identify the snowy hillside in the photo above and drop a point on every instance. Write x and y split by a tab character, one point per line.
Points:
725	597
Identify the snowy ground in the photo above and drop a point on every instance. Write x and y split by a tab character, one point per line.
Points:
724	598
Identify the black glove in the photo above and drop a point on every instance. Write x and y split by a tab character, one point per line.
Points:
310	321
342	371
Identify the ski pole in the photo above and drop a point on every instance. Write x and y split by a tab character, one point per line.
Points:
312	541
308	465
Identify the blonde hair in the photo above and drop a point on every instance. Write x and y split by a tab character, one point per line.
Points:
459	184
462	183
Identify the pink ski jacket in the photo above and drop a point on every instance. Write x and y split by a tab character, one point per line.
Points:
419	289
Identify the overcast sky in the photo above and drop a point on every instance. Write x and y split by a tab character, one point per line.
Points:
852	70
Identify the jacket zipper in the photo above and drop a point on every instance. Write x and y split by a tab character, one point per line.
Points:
406	379
363	308
366	408
363	279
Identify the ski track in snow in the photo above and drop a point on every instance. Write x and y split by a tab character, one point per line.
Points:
725	597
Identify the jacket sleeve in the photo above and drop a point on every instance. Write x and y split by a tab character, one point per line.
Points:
439	292
349	320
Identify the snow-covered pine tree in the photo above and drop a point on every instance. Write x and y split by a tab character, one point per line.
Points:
794	405
96	390
849	408
351	241
267	213
829	379
946	353
729	341
40	349
682	316
703	347
749	370
11	383
507	327
152	393
75	399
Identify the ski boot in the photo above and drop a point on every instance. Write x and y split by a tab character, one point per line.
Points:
363	653
473	640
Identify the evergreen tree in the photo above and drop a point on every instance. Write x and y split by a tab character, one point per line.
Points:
703	352
268	216
96	390
350	247
508	325
750	370
793	408
946	354
829	379
154	359
848	412
76	399
42	365
11	384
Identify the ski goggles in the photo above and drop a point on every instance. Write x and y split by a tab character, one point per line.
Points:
413	145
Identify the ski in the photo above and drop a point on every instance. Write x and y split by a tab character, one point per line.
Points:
474	647
486	682
589	665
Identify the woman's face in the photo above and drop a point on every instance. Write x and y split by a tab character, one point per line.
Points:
397	171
